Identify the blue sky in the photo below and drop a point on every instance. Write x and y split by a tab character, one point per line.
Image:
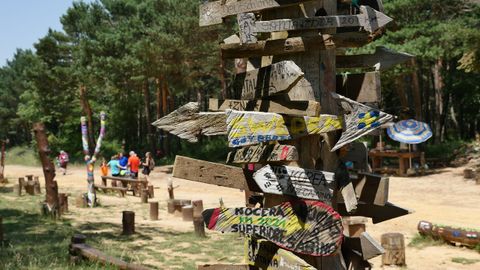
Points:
23	22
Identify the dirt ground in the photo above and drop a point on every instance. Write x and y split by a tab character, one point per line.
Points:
443	198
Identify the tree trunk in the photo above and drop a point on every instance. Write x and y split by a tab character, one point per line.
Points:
417	95
87	110
2	160
221	71
148	116
438	85
165	96
51	187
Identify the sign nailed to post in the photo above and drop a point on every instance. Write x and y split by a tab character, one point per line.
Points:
306	227
263	153
369	18
293	181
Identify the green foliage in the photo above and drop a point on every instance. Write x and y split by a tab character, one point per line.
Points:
421	241
22	155
445	150
213	149
464	260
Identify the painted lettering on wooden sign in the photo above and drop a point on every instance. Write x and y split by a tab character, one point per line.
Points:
267	81
213	12
266	255
378	213
382	59
359	120
187	122
369	18
307	227
294	181
300	108
361	87
263	153
247	128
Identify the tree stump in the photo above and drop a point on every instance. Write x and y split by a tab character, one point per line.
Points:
128	222
21	184
197	208
29	177
81	201
187	213
151	193
394	245
153	210
37	189
29	187
170	206
63	201
199	227
144	195
468	173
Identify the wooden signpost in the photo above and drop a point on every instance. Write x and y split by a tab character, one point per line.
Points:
361	87
298	108
383	59
267	81
378	213
296	182
306	227
263	153
369	19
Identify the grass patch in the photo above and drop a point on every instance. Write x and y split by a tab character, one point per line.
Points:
420	241
464	260
22	155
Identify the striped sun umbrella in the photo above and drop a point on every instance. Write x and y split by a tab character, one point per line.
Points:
409	131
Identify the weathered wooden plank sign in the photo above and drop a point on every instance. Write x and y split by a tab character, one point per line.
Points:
247	128
365	245
369	18
297	182
187	122
378	213
359	120
213	12
299	108
267	81
371	188
209	172
307	227
263	153
361	87
262	254
382	59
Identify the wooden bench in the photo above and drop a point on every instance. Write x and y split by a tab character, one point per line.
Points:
136	185
121	190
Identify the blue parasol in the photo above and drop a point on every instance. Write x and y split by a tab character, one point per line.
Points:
409	131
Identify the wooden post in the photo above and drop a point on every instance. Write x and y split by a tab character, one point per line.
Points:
29	177
153	210
170	206
63	201
198	218
29	187
187	213
468	173
394	246
36	185
355	226
151	193
170	189
21	183
128	222
51	187
144	195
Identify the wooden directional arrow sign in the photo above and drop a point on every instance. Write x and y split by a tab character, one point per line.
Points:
267	81
361	87
307	227
383	59
263	153
247	128
371	188
369	18
359	120
300	108
262	254
294	181
364	245
213	12
376	212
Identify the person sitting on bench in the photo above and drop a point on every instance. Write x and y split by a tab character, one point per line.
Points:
115	166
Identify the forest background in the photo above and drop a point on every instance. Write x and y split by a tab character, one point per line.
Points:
138	60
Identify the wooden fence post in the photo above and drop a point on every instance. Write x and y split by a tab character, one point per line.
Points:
36	185
144	195
171	196
153	210
394	246
187	213
128	222
198	218
151	192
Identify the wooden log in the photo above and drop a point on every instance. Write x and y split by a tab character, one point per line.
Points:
383	58
170	206
128	222
144	195
187	213
263	154
151	192
153	210
425	228
394	246
451	235
297	108
198	225
468	173
307	227
36	185
63	201
223	267
361	87
29	188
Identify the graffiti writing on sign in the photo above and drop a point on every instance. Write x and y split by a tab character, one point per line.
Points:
293	181
263	153
308	227
246	128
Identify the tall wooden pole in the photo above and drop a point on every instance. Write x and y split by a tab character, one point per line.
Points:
51	188
2	160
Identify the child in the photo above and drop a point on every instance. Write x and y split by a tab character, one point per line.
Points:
104	168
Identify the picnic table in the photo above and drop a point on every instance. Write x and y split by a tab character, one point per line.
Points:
377	157
127	184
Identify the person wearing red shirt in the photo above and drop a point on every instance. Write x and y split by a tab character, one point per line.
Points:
133	164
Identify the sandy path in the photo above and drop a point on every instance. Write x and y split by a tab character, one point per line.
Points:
443	198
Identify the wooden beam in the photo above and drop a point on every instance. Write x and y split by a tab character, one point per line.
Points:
361	87
187	122
262	254
369	19
371	188
306	227
294	45
212	13
209	172
376	212
298	108
383	58
263	153
247	128
296	182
